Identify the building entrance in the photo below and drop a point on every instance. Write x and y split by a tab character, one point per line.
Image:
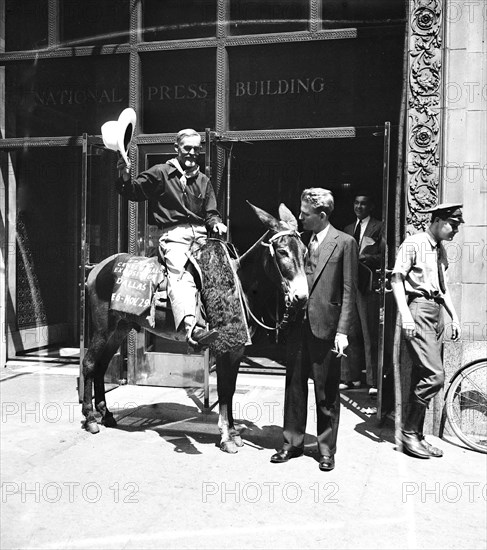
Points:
267	173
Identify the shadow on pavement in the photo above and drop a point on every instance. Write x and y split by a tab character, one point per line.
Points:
363	406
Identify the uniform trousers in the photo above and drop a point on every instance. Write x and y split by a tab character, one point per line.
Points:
175	245
427	374
311	357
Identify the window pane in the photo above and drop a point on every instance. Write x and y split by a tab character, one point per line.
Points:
25	24
94	22
178	19
317	84
337	14
65	97
268	16
179	90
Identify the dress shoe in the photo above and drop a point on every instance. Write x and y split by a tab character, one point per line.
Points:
350	385
203	337
434	451
327	463
412	445
283	455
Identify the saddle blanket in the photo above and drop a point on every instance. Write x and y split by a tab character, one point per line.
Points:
135	283
222	296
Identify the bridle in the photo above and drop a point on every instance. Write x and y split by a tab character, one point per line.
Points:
283	282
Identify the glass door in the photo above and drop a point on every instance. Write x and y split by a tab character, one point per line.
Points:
44	247
160	361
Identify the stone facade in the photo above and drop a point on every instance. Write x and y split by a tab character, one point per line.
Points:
464	171
447	157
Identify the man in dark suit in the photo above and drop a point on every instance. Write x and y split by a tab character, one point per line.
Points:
368	232
318	338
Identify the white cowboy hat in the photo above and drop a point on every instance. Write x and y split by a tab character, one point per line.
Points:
117	134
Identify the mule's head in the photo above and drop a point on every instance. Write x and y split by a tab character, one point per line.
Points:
285	261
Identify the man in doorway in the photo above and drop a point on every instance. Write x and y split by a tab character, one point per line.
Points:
318	338
420	290
183	204
368	233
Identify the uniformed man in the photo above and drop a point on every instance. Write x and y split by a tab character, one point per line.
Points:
420	290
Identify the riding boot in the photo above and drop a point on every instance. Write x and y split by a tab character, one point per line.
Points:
434	451
411	441
196	336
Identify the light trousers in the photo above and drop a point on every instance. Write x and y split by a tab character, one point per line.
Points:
175	245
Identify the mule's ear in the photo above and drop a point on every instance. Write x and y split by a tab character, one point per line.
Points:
267	219
288	217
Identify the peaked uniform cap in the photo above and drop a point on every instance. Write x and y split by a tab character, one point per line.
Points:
447	210
117	134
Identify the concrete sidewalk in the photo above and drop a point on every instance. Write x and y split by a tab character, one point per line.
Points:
159	479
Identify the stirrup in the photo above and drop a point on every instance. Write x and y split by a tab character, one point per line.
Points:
202	337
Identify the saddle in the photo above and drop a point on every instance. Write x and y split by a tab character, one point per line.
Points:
141	288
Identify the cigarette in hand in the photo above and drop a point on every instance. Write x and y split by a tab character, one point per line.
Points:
338	353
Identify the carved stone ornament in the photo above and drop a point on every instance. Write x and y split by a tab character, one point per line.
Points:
424	101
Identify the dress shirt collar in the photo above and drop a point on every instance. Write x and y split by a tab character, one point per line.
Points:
363	223
321	235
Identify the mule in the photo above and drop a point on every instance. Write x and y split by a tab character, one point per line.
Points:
275	260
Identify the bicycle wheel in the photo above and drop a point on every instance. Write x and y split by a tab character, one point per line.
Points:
466	405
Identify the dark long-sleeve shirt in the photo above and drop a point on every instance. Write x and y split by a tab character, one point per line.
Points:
170	205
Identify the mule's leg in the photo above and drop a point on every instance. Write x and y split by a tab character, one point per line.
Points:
226	371
113	343
234	432
90	361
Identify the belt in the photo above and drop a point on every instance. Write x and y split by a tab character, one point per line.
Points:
436	298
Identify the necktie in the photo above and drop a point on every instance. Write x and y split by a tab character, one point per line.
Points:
441	278
356	234
313	245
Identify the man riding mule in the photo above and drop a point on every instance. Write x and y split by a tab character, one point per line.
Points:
183	204
275	261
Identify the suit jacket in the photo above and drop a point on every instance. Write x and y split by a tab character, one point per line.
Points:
370	252
333	285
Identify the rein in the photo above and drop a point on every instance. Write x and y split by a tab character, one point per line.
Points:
283	282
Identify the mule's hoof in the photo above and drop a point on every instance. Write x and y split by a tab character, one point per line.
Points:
237	440
92	427
109	421
228	447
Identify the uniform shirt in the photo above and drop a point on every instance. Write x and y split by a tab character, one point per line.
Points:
417	261
170	205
